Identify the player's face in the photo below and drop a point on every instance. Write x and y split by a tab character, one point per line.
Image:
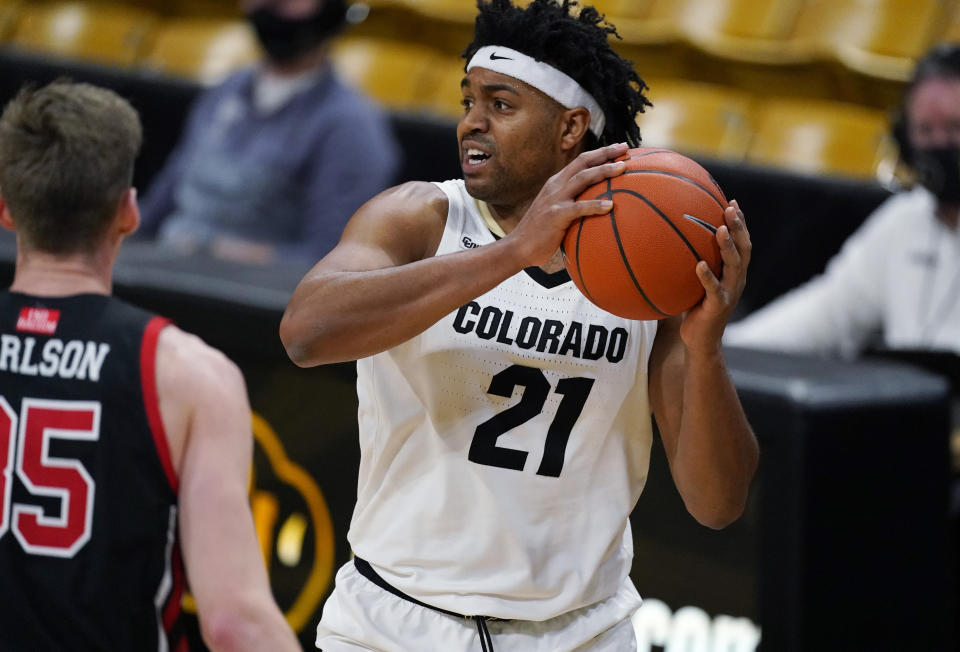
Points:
508	138
933	111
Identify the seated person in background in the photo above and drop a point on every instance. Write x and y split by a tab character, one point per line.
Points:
898	276
274	160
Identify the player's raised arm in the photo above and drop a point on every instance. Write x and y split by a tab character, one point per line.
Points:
207	420
380	285
709	444
383	285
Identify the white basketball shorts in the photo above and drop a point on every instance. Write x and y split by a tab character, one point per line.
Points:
361	616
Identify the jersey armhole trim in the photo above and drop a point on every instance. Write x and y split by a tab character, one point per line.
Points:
453	224
151	402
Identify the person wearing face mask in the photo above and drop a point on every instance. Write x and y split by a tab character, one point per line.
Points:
895	284
274	160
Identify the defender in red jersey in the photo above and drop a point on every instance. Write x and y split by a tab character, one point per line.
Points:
125	442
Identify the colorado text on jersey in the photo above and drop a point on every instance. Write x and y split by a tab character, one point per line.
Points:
587	341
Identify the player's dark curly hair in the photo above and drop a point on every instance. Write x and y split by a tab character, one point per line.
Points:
576	44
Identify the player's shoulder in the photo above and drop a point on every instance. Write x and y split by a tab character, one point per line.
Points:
415	197
186	364
196	383
408	218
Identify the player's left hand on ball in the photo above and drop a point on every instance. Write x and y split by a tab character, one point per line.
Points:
704	323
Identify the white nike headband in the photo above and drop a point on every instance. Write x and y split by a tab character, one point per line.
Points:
544	77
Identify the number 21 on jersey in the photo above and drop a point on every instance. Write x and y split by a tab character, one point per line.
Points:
536	388
24	446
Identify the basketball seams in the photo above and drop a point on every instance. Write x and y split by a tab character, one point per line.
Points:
655	151
608	193
626	263
620	281
682	178
583	283
676	229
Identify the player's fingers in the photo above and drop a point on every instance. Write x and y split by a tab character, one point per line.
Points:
592	207
736	223
728	250
586	178
563	214
594	158
598	156
708	279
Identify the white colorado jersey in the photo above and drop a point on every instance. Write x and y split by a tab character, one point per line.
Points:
503	449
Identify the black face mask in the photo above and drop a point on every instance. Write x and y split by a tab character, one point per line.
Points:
285	39
938	169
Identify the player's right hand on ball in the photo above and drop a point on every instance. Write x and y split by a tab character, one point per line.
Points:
542	228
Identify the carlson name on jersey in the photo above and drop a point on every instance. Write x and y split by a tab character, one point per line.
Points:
70	360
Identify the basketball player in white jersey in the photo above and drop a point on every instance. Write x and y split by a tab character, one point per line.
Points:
505	422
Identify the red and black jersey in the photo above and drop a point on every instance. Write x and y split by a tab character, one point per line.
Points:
88	495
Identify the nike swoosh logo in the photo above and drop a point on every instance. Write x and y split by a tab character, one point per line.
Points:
494	57
696	220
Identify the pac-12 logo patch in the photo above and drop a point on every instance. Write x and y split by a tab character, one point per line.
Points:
42	321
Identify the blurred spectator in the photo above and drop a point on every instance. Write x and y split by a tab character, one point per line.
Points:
274	160
896	281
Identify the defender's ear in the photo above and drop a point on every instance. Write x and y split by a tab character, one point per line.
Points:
6	220
128	213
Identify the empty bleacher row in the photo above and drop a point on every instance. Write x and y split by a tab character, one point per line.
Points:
803	85
723	39
129	36
879	38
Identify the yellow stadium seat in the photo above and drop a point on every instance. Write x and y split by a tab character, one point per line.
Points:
649	34
877	38
696	118
757	31
202	49
446	99
445	25
751	45
203	8
9	15
104	33
399	75
951	33
450	10
188	8
873	44
643	21
822	137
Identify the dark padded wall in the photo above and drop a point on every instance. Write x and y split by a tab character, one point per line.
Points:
854	544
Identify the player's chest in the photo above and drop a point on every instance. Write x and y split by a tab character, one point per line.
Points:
553	329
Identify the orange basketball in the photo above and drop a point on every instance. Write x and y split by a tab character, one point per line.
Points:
639	260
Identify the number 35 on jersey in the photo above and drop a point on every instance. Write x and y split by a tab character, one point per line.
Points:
25	450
